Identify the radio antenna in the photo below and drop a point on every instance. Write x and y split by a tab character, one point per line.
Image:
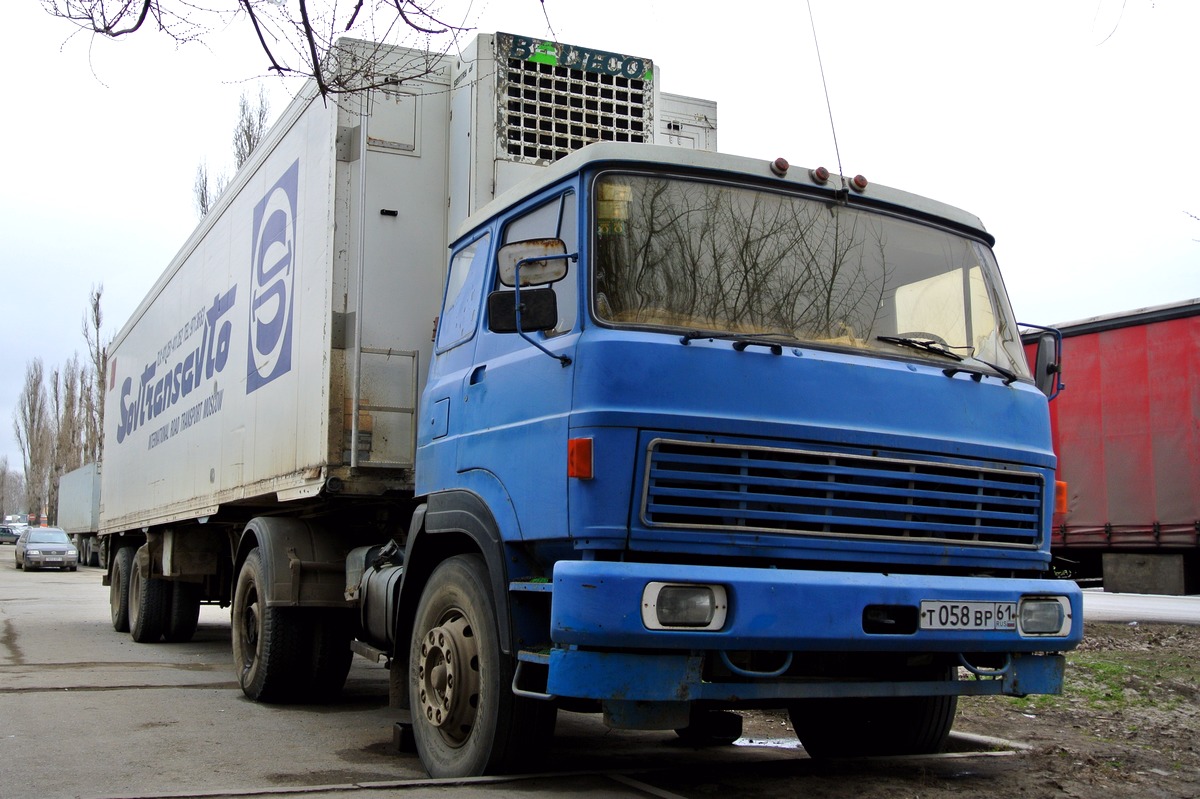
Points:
829	106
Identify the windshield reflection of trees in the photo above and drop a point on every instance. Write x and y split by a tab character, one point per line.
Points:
710	257
721	258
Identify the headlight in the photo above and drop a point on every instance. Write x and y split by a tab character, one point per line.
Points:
675	606
1044	615
33	552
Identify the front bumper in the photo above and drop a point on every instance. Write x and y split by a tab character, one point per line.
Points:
51	561
602	648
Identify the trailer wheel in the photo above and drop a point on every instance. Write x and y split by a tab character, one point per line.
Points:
331	654
268	643
909	725
184	612
466	720
148	600
118	590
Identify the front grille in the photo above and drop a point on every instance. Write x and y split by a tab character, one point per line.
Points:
697	485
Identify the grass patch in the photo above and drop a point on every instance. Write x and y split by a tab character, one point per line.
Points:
1131	668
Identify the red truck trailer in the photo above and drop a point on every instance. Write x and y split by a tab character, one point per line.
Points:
1127	435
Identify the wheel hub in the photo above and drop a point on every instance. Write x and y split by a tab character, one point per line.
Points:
448	676
249	633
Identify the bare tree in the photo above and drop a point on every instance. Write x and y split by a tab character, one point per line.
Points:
93	387
207	189
297	37
67	428
251	127
9	494
32	427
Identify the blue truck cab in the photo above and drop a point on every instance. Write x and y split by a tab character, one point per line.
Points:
705	433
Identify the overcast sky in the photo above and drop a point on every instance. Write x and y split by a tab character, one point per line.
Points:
1069	127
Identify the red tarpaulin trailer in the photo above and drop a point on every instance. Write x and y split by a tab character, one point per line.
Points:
1127	434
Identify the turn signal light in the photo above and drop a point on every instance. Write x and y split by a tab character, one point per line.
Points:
1060	496
579	458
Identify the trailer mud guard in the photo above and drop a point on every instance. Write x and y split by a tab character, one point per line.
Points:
304	563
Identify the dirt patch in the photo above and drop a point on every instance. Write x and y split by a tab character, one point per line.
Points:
1127	724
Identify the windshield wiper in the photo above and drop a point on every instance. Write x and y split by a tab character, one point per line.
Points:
740	341
1009	375
929	345
923	344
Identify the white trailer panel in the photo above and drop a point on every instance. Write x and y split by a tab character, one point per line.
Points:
296	317
286	345
79	500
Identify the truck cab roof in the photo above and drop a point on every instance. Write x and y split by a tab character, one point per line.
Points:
665	157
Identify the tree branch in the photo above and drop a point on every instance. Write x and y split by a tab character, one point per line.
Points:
310	38
248	5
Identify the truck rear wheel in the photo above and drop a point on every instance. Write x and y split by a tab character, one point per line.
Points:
268	643
908	725
118	590
147	606
184	612
466	720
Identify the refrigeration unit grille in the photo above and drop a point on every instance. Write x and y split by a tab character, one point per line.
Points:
551	110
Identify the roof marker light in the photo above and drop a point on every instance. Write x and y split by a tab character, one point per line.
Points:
780	167
859	183
820	175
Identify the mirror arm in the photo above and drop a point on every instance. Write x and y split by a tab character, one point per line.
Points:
562	359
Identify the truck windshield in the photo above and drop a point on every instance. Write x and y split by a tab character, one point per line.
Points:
715	258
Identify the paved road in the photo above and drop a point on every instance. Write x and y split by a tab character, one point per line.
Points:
86	712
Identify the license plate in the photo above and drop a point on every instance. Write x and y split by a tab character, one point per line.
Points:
54	560
942	615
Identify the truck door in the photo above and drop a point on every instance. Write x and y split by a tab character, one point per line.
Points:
516	399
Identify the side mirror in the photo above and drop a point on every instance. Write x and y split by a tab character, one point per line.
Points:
1048	363
539	261
538	309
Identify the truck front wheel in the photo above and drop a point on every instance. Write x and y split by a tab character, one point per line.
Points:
466	720
908	725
